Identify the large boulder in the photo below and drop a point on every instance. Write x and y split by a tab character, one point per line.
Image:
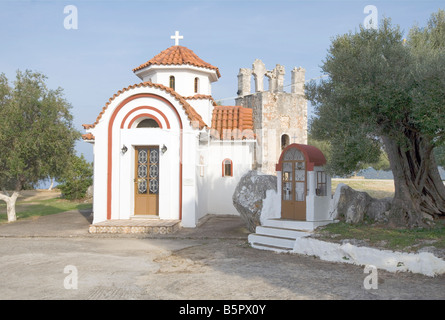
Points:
255	198
378	209
353	206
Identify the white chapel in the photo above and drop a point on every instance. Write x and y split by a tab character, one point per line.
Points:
164	149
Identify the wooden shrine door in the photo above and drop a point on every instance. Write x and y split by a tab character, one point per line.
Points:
146	182
294	185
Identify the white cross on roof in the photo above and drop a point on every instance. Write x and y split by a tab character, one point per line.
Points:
176	37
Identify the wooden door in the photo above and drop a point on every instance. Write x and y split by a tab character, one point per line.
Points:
294	184
146	182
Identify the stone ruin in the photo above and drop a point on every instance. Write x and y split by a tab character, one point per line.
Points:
275	76
280	117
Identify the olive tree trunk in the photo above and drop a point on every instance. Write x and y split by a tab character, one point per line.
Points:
419	191
10	205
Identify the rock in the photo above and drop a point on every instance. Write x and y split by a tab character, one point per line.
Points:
378	208
349	204
90	192
353	206
250	196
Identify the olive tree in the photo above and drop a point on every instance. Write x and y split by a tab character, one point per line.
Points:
387	92
36	134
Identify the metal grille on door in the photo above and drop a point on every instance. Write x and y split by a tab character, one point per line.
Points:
148	171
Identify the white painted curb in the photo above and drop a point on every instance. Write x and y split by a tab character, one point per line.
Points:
425	263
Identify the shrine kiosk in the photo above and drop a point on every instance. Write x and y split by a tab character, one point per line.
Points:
304	185
304	189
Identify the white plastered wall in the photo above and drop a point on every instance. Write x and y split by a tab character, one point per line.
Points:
317	207
122	200
184	78
215	191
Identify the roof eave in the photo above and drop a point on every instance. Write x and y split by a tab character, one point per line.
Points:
213	74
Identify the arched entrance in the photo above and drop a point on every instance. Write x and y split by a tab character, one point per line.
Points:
294	185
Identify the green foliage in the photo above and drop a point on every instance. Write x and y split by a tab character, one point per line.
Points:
76	178
323	145
379	85
380	163
36	131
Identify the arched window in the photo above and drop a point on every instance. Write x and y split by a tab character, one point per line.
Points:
172	82
148	123
284	141
196	84
227	168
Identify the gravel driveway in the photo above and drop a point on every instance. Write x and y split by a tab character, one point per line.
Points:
54	257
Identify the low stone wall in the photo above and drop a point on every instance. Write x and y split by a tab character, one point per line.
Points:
136	226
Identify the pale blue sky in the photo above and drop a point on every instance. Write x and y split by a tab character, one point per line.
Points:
96	60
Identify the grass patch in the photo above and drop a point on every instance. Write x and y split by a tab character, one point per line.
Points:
36	208
375	188
382	236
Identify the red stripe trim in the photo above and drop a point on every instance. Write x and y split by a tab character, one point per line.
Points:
110	144
148	108
145	115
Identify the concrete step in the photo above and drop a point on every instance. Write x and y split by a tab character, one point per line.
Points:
281	232
295	224
151	226
281	242
144	217
270	248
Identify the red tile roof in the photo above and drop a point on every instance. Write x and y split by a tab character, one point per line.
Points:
232	122
178	55
191	113
201	96
88	136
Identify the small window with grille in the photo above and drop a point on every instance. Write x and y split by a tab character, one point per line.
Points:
321	184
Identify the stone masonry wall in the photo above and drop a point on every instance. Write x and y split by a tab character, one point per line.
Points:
275	113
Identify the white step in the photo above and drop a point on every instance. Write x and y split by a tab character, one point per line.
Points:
281	232
294	224
270	248
144	217
279	235
281	242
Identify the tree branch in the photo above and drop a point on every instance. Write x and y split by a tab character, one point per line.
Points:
424	166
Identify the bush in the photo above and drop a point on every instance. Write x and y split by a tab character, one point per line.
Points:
76	179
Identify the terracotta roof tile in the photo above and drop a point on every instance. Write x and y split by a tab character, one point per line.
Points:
178	55
193	116
88	136
201	96
232	122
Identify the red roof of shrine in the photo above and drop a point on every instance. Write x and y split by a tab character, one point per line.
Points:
314	157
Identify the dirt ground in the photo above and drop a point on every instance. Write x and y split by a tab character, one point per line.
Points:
39	259
38	194
213	261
